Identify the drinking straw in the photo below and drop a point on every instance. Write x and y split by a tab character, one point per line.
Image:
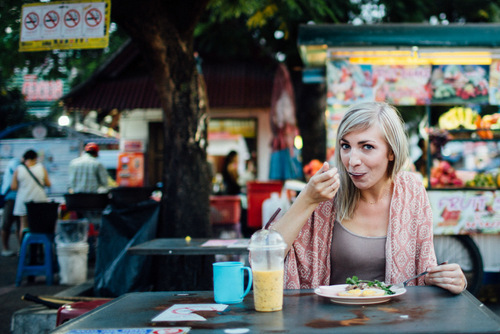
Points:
272	218
267	241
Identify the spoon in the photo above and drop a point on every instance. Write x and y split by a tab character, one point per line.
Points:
405	283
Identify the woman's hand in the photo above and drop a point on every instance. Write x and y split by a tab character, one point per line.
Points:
447	276
323	185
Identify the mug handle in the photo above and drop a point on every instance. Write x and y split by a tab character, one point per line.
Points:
249	280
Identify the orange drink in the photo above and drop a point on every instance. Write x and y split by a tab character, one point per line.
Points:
268	290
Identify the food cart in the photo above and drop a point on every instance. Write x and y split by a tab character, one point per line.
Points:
444	79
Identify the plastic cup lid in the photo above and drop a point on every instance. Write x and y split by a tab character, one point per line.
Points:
266	239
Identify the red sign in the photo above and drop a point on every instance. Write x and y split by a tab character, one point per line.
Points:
42	90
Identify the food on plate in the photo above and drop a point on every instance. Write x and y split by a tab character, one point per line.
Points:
365	288
351	293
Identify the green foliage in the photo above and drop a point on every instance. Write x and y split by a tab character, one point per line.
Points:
12	108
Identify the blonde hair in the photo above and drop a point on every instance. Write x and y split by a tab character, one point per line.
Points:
361	117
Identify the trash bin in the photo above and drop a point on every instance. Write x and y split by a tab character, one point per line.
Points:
42	216
72	251
68	231
72	259
257	193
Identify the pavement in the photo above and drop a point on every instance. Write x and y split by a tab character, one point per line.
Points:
11	296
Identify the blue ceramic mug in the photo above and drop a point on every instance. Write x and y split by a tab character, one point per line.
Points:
229	282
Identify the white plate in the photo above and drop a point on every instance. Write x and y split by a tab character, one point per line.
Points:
333	290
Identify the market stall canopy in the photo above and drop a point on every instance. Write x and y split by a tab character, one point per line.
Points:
411	43
124	83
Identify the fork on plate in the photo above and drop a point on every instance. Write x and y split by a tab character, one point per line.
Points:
405	283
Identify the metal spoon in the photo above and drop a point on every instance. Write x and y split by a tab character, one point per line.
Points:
405	283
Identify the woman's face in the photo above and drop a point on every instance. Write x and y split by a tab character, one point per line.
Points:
366	155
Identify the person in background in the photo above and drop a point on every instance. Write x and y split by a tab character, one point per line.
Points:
86	173
30	180
230	174
8	217
366	216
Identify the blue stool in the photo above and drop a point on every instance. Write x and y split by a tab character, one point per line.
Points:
47	268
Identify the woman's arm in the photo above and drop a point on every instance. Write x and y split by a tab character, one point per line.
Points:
46	180
321	187
14	184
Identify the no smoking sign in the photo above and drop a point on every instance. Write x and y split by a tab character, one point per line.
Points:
71	18
31	21
51	19
93	17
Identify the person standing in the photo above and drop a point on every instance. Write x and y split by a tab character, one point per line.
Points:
230	174
86	173
8	217
30	180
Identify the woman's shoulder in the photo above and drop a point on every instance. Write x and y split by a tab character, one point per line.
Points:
406	177
410	182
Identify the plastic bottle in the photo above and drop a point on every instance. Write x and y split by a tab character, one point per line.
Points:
269	206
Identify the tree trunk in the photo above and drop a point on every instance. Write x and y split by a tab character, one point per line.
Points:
164	32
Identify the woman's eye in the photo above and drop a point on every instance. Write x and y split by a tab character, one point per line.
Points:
344	146
368	147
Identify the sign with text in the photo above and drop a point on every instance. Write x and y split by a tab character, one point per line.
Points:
464	212
77	24
402	84
42	90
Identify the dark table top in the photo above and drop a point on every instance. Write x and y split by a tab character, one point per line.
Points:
179	246
420	310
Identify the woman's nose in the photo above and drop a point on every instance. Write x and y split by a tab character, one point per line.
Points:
354	160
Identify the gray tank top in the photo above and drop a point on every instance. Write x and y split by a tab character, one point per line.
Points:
356	255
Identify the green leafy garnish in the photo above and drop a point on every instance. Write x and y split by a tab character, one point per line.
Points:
381	285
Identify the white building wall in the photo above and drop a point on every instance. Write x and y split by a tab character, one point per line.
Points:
134	126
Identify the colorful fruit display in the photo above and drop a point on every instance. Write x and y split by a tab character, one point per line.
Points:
482	180
459	118
444	176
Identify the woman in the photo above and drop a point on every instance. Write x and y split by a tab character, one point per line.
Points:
29	186
367	218
230	174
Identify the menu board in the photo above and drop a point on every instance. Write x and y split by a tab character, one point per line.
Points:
495	82
452	84
348	83
402	84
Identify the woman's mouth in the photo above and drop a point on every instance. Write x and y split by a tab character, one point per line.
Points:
356	175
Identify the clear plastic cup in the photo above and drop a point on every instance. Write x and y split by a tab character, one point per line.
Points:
267	254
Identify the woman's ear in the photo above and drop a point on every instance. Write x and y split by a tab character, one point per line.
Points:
391	156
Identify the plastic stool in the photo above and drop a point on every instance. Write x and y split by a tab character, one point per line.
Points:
47	268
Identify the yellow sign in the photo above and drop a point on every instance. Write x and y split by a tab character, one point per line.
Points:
65	25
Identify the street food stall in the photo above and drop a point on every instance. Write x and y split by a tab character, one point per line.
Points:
444	79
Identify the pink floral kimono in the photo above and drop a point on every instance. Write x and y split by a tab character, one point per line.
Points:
409	247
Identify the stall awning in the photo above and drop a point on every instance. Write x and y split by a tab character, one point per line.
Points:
123	82
316	42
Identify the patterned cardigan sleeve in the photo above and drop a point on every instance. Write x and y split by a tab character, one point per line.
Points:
409	247
307	264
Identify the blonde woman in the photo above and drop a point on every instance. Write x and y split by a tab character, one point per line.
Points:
366	216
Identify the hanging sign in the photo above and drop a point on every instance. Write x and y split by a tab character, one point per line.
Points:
77	24
465	212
